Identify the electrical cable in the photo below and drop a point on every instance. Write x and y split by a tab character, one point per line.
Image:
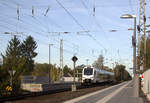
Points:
30	30
76	21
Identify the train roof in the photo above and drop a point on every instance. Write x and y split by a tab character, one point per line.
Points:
100	70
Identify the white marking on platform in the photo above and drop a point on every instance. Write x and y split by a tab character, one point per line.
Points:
90	94
108	97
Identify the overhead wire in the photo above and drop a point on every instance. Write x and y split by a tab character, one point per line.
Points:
43	42
28	29
34	31
94	16
44	20
24	27
76	21
19	13
96	21
37	39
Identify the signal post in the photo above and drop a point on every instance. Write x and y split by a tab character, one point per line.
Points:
74	59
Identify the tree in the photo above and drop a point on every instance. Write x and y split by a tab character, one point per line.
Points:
67	71
99	63
107	68
13	60
3	74
120	73
148	53
28	51
140	58
43	70
19	57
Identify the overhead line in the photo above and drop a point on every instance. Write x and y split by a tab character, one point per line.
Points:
96	22
78	23
70	14
85	6
39	40
36	23
32	31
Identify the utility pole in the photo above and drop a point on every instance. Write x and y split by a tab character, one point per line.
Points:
61	48
144	65
134	47
141	29
61	57
139	38
61	52
50	62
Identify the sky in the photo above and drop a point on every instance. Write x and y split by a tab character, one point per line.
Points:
89	32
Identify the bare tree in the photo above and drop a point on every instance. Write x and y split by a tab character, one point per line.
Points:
99	63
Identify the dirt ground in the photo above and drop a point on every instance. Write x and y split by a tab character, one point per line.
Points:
60	97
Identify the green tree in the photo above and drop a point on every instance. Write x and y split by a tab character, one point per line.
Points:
140	58
148	53
28	51
67	71
13	60
120	73
4	79
43	70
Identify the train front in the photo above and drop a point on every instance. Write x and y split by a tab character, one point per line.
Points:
87	75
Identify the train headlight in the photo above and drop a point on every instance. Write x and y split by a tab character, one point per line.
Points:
92	78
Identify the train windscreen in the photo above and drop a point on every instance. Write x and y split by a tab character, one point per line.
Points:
88	71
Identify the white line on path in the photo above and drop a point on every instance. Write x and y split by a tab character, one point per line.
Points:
94	93
108	97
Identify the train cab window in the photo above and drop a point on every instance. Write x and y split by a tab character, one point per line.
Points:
88	71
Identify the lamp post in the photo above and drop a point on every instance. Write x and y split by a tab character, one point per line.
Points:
128	16
136	78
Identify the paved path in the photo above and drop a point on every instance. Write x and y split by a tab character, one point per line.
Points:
122	93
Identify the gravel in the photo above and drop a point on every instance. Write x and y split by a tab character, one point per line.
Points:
63	96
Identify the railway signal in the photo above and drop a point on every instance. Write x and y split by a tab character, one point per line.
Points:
74	58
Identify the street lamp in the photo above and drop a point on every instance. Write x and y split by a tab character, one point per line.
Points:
128	16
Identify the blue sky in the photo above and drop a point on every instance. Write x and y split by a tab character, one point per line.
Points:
115	46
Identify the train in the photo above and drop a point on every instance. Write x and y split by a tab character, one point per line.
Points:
96	75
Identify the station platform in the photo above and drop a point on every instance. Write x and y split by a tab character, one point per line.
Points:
121	93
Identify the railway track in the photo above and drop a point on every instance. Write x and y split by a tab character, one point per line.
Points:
56	90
